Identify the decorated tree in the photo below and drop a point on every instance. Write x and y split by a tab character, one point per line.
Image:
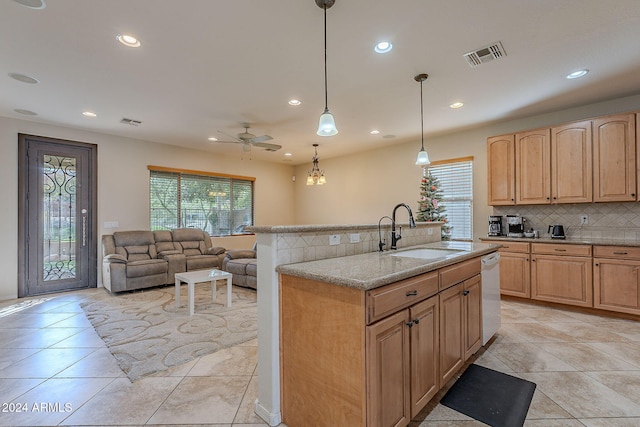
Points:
430	207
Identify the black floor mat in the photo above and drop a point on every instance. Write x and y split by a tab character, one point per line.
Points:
496	399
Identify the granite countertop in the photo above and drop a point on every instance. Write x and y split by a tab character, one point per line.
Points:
569	240
374	269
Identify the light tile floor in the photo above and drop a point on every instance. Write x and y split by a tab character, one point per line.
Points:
54	370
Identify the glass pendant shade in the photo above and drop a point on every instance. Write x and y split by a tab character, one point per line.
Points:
423	158
327	124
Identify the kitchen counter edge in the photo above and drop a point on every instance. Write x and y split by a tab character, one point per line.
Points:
568	241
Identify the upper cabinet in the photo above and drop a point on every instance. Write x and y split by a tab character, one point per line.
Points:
580	162
614	156
501	161
532	167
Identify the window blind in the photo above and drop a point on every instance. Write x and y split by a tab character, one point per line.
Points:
456	182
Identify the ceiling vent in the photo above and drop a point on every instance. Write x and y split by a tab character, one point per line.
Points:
485	54
130	122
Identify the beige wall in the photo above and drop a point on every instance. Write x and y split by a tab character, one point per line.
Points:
361	188
123	185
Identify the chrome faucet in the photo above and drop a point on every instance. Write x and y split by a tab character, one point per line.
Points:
412	224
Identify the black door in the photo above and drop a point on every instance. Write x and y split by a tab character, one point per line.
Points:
56	214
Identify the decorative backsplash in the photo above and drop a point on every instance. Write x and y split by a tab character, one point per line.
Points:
618	221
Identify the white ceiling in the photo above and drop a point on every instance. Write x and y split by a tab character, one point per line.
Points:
209	65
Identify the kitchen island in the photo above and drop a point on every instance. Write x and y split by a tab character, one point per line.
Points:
368	339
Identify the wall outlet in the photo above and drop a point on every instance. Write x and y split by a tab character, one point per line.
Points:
429	230
584	219
334	239
110	224
354	238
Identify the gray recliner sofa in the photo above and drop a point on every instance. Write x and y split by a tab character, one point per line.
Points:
141	259
243	265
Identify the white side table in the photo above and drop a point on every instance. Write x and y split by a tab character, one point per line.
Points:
193	277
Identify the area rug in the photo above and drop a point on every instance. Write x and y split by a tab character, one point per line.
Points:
146	333
495	398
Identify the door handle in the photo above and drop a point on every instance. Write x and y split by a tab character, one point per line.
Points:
84	227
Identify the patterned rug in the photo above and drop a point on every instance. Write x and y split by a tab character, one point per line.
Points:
146	333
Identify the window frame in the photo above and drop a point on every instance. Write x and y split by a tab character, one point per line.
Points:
232	182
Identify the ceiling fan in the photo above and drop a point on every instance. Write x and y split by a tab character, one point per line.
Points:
248	139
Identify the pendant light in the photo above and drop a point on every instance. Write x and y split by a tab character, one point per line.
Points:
423	157
316	176
327	124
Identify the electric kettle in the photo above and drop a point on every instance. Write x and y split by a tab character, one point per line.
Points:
556	231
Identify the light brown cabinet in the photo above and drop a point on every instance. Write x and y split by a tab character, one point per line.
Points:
533	174
614	157
562	273
571	163
515	269
501	169
372	358
616	278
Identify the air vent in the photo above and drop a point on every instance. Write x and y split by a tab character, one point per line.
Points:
485	54
130	122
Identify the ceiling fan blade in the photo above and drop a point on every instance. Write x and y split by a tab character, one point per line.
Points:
262	138
228	142
230	136
268	147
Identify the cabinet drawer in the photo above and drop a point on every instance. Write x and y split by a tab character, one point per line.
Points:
386	300
520	247
561	249
617	252
458	272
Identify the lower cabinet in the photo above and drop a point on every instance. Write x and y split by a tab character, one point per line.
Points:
562	273
616	281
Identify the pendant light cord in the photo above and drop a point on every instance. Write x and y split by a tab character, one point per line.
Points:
326	98
421	117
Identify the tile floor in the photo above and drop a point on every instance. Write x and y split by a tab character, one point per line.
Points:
54	370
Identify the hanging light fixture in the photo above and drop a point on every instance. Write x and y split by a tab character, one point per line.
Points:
423	157
327	124
316	176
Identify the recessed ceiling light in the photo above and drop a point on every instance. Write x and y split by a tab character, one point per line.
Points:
383	47
32	4
374	132
23	78
212	138
25	112
456	105
288	154
295	102
128	40
89	114
577	74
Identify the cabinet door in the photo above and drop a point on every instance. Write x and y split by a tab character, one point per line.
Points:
562	279
614	158
571	163
388	371
472	315
424	353
515	274
451	332
616	285
501	169
533	167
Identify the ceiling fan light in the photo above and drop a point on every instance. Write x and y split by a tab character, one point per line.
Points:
327	124
423	158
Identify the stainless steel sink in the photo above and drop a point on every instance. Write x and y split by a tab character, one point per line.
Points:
428	253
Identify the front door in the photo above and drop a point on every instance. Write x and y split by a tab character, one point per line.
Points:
56	211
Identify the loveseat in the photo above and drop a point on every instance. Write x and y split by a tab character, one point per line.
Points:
243	264
141	259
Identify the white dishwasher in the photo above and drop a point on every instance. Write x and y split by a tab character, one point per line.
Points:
490	296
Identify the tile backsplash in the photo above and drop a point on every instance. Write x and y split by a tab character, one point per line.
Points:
618	221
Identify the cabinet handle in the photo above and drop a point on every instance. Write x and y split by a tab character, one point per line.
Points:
465	293
621	253
633	194
416	320
412	293
560	250
597	265
409	324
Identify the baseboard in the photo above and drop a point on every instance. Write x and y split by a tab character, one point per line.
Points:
273	419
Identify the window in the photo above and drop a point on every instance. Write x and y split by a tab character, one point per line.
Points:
456	181
219	204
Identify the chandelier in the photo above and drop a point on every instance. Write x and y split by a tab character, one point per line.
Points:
316	176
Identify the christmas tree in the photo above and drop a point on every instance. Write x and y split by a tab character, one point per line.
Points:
430	207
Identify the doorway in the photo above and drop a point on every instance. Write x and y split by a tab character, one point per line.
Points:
56	215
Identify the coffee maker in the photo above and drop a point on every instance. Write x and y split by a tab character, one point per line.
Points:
515	225
495	225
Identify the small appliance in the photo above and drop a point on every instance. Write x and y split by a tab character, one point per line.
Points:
495	225
557	231
515	226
